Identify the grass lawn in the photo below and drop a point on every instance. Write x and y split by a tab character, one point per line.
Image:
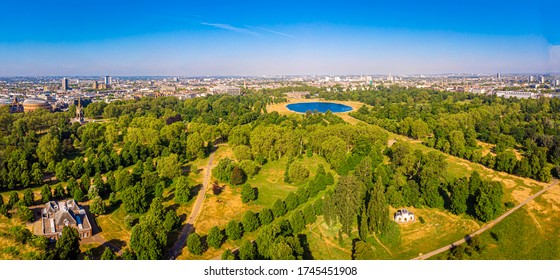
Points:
518	237
324	244
112	226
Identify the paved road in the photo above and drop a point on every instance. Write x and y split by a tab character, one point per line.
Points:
487	226
189	226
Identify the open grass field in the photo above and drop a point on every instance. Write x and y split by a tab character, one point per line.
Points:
522	237
439	228
324	244
112	226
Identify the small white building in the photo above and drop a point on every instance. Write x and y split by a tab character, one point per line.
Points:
403	216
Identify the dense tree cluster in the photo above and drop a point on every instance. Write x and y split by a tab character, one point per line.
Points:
150	235
453	122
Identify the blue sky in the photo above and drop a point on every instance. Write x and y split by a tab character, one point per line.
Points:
273	38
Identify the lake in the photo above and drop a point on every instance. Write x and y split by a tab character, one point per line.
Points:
321	107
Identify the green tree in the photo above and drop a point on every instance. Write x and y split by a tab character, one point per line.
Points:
297	221
279	208
195	146
377	209
97	206
247	250
194	244
475	182
169	167
249	167
123	180
228	255
135	199
248	193
457	143
68	245
238	176
215	237
144	242
459	195
242	152
364	171
182	189
362	251
78	194
266	216
234	231
49	149
291	201
250	221
28	197
172	221
108	254
23	213
13	200
297	172
223	170
489	201
347	198
37	174
309	214
46	194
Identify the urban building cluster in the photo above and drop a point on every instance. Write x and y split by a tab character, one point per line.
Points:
26	94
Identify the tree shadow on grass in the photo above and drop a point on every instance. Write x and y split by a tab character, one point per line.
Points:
195	190
115	244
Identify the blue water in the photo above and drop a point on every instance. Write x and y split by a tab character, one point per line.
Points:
321	107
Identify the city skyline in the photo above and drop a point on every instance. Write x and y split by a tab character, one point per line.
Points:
287	38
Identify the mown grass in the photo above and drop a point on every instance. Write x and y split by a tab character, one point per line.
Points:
113	227
270	180
518	237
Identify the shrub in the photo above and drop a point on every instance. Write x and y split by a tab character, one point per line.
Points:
297	172
238	176
194	244
234	231
248	193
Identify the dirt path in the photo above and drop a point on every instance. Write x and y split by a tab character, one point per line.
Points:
189	226
488	226
379	241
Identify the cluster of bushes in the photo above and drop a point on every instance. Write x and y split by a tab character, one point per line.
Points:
228	171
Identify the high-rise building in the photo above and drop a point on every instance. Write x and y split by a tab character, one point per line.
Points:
64	84
107	80
542	80
94	86
531	79
498	76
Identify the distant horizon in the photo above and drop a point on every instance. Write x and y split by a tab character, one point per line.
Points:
223	38
285	75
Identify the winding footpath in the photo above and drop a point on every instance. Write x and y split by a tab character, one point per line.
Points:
188	228
554	183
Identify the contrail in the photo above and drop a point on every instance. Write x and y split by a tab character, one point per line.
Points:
230	28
